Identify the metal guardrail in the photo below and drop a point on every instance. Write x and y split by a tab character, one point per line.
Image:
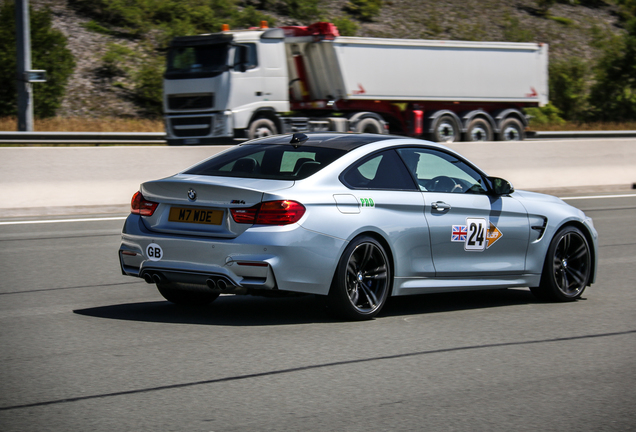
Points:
581	134
43	138
159	138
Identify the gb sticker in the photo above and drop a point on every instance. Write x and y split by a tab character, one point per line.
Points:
154	252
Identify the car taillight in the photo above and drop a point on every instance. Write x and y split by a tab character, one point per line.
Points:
244	215
270	213
139	205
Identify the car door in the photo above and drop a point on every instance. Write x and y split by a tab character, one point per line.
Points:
473	233
389	199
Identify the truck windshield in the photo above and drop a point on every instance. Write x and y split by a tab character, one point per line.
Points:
200	61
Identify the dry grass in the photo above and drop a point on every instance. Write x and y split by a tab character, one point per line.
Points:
596	126
81	124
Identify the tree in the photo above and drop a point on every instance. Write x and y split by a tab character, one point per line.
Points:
613	95
568	87
48	52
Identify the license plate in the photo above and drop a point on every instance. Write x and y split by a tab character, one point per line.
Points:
192	215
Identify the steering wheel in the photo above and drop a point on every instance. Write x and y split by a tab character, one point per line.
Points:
444	184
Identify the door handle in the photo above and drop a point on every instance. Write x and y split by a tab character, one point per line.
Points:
440	206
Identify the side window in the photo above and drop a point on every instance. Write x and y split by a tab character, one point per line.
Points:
252	57
383	170
437	171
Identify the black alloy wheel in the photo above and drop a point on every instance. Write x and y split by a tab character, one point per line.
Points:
567	267
362	281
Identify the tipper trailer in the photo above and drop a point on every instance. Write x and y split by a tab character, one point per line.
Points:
263	81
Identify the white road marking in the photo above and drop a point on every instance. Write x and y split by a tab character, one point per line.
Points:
63	220
599	196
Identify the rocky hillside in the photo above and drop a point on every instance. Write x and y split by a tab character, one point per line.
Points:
571	30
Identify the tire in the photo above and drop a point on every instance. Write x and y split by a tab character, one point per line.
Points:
369	125
479	130
261	127
511	130
362	281
186	297
567	267
446	129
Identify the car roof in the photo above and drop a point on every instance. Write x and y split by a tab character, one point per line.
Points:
343	141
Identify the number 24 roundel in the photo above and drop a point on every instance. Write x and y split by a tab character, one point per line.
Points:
477	235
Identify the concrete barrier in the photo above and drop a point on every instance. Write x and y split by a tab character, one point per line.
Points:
81	180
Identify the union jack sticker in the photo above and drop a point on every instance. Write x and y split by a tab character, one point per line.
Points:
459	233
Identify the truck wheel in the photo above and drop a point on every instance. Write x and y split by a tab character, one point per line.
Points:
261	127
511	130
446	130
369	125
479	130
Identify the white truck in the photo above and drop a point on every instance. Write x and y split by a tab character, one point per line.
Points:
262	81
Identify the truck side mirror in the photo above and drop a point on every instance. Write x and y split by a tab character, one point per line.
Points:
242	57
500	186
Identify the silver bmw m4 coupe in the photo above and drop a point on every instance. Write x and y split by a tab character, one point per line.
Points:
352	217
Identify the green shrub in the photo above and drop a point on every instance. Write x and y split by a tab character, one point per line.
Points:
48	52
115	60
561	20
94	27
148	85
569	87
544	6
366	10
544	116
250	17
346	27
613	96
305	11
514	32
139	17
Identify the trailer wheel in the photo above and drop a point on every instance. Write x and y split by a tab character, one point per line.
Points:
260	128
511	130
479	130
446	129
369	125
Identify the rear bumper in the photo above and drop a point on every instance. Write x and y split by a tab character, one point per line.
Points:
287	258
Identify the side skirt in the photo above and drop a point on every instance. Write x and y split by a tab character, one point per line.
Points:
408	286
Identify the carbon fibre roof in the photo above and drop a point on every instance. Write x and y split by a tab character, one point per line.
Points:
343	141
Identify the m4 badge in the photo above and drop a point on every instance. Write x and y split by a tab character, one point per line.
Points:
475	235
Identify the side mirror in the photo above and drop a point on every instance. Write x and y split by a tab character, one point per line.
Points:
242	57
500	186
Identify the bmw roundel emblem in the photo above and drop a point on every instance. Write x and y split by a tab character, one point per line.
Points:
192	194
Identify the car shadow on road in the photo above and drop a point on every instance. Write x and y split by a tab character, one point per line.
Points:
259	311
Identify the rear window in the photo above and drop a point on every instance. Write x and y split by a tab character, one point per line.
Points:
276	162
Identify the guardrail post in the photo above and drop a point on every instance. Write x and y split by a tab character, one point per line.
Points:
23	47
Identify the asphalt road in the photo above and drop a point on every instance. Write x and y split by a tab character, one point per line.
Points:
84	348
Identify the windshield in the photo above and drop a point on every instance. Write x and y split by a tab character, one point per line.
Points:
276	162
199	61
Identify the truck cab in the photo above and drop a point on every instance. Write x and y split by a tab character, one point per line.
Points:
215	83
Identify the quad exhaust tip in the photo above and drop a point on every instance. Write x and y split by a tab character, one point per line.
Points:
218	283
153	278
